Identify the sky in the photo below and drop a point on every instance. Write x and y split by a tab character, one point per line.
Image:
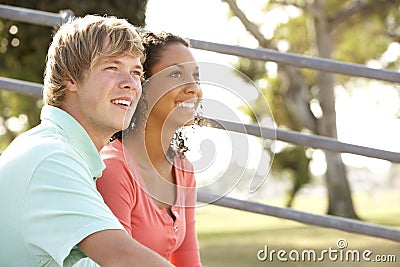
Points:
367	115
203	20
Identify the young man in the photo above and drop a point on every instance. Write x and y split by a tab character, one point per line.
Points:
51	212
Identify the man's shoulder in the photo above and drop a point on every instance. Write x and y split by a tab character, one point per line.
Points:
38	143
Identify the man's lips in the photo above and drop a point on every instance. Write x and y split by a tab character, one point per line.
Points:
123	102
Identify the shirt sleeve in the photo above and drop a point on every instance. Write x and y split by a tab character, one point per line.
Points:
188	253
118	191
62	206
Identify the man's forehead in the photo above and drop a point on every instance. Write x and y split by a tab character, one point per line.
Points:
120	60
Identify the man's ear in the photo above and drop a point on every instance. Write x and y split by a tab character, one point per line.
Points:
71	85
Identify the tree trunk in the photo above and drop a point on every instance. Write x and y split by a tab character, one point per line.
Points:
292	194
340	202
297	101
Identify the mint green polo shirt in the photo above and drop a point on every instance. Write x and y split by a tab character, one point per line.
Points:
48	196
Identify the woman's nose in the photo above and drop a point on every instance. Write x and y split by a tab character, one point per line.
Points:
193	87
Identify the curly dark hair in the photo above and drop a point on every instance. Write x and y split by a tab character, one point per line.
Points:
154	45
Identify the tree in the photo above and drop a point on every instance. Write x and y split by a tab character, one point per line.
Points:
23	49
329	29
293	161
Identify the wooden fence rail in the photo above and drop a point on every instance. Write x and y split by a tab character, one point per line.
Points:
319	64
334	222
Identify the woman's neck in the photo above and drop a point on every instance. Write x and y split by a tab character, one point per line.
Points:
149	146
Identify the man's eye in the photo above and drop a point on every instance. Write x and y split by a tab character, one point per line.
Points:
111	68
136	73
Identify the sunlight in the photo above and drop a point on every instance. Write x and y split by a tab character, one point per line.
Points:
17	124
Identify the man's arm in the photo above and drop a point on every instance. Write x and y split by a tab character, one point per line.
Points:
117	248
62	195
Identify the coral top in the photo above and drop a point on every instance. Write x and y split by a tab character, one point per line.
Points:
124	191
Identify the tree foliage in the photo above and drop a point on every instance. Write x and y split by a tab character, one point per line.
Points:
23	49
344	30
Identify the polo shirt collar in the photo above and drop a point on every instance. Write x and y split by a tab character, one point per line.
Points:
77	134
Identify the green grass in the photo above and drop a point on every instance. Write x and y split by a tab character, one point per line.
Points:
232	238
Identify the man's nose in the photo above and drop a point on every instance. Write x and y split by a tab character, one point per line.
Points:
130	82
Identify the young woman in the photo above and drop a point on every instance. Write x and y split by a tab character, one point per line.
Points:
148	183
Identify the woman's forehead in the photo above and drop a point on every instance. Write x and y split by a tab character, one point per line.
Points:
175	54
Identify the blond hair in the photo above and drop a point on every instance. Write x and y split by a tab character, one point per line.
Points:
77	46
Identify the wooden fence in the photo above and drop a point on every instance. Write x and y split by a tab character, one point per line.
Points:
320	64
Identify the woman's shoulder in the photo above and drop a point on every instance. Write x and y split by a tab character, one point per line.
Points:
113	150
183	164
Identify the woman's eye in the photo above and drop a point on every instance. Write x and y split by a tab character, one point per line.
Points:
196	78
111	68
176	74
